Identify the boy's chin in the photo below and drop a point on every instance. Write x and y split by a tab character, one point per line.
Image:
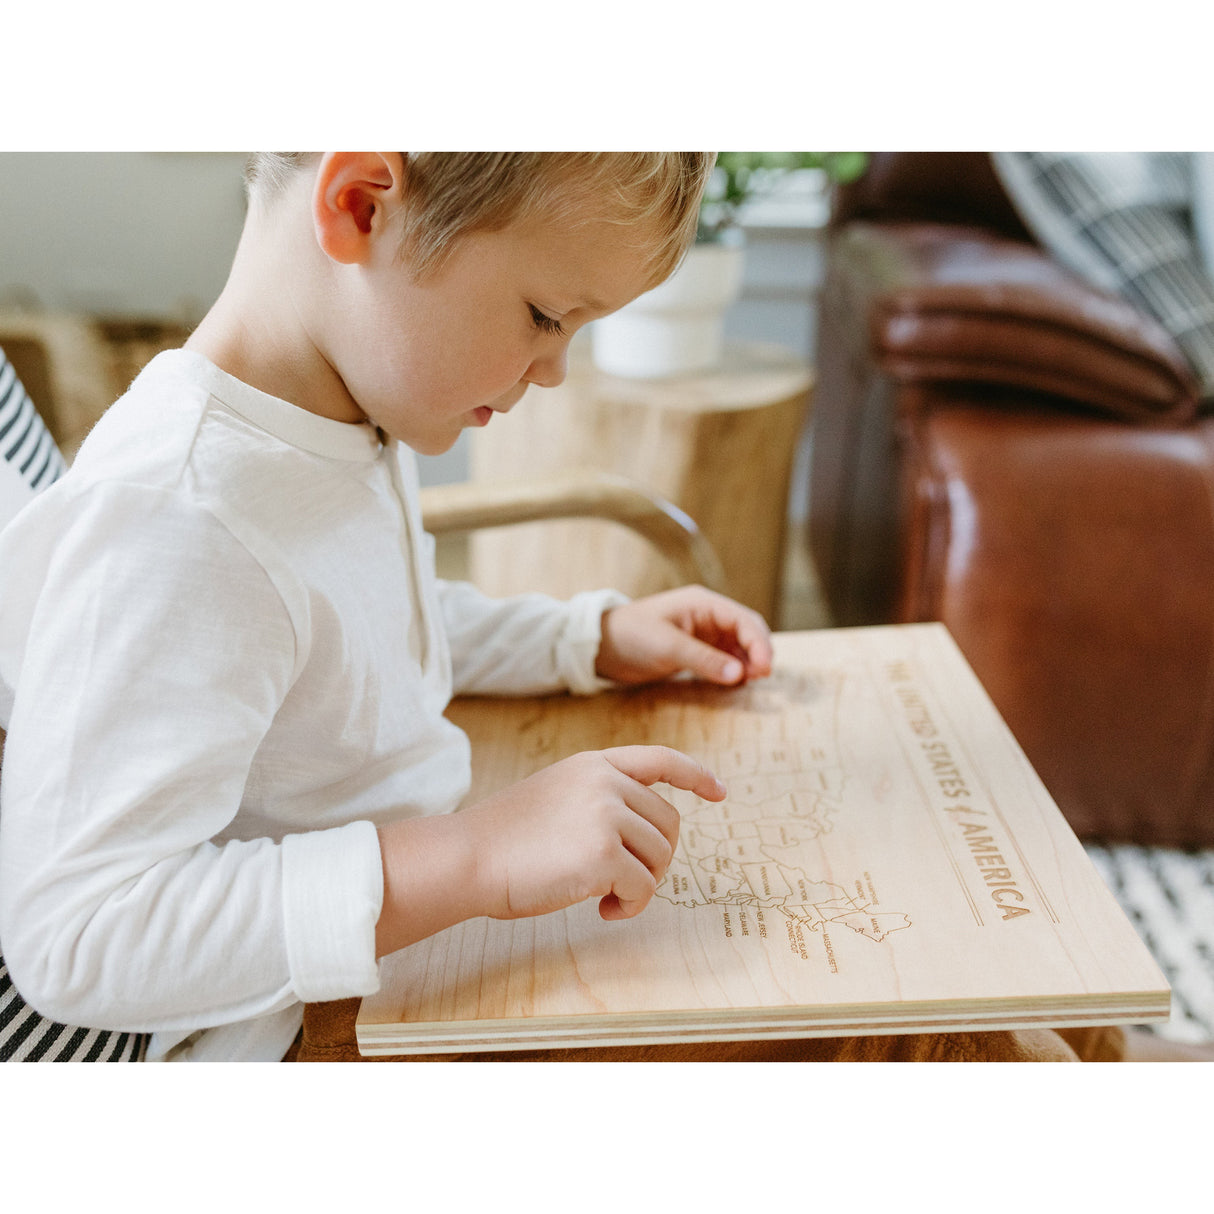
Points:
431	444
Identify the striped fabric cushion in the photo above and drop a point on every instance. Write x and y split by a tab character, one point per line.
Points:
29	462
1123	221
25	443
26	1036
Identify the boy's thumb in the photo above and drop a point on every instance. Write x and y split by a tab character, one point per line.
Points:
710	663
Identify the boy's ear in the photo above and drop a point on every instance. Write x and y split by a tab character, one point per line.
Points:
349	200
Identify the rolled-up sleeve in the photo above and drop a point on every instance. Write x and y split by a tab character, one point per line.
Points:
526	645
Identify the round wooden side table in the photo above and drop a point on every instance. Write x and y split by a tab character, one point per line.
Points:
718	444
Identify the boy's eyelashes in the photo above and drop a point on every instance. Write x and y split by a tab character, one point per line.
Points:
546	323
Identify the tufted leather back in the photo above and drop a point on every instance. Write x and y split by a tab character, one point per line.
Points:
937	187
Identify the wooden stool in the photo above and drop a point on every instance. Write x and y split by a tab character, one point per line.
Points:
718	444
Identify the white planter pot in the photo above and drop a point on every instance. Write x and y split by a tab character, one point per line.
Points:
678	327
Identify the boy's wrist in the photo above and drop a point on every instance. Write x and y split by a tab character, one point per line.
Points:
581	640
430	880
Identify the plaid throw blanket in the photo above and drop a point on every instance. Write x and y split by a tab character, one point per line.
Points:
1124	221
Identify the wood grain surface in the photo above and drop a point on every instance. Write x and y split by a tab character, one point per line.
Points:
886	861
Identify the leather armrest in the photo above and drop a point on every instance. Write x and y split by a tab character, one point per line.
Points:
1073	561
947	303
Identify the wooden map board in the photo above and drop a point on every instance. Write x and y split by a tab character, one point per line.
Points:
887	861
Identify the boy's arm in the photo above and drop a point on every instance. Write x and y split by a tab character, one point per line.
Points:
525	645
143	693
532	644
588	826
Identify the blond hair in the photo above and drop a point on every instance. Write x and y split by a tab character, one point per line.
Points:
452	194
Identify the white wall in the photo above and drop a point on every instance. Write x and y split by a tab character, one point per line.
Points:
118	233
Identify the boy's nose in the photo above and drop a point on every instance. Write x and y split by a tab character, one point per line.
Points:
549	371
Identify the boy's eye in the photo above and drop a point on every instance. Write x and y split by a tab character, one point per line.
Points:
546	323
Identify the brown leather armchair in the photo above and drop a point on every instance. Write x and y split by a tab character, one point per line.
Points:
1000	447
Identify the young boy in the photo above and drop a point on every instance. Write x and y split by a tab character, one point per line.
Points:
224	657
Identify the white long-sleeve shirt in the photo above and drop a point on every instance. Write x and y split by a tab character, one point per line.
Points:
224	660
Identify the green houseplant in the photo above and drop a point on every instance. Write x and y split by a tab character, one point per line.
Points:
678	327
740	177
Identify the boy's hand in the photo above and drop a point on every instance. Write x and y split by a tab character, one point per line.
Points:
588	826
687	629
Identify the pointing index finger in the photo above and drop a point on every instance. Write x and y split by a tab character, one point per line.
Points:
664	765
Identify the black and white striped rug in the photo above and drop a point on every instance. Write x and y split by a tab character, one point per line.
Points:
1168	896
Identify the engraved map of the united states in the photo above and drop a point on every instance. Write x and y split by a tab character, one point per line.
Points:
749	852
